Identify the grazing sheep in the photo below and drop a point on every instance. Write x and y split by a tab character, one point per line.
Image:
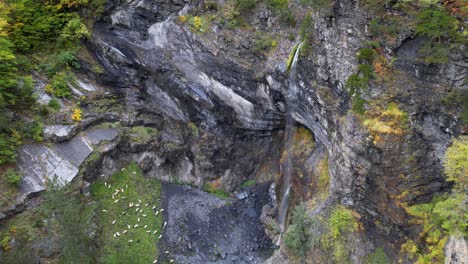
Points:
113	196
139	219
105	184
149	231
130	241
104	210
116	201
162	210
166	252
137	209
137	205
115	235
134	172
145	226
146	204
157	212
128	226
113	222
108	186
154	206
125	231
155	261
139	200
122	190
165	223
124	212
141	210
159	236
122	169
171	261
155	231
126	186
135	226
144	215
118	234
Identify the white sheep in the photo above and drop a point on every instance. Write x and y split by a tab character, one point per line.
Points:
128	226
113	222
130	241
144	215
139	200
162	210
149	231
134	172
146	204
154	206
135	226
159	237
145	226
125	231
139	219
155	231
104	210
157	212
165	223
116	201
155	261
122	169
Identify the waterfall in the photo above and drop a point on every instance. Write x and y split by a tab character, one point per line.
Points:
288	141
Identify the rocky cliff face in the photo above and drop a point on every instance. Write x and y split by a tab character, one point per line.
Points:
219	108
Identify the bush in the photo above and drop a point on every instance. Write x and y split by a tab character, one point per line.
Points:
287	17
366	55
73	31
298	237
307	27
77	115
355	83
342	221
59	85
263	42
54	104
358	105
278	4
34	130
245	5
378	257
456	162
8	145
366	71
12	176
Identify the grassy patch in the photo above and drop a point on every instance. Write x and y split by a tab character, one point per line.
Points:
136	245
248	183
391	121
323	179
142	134
216	191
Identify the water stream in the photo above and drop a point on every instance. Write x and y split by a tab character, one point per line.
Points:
288	141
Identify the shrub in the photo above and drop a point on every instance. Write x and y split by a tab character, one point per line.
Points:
76	115
287	17
12	176
366	71
73	31
306	27
5	242
182	19
245	5
378	257
456	162
366	55
59	86
34	130
358	105
355	83
298	237
278	4
8	145
263	42
54	104
342	221
214	190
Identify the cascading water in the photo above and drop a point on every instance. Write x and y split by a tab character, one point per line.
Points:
288	141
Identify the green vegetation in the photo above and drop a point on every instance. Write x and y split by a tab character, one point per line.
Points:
323	179
54	104
441	29
28	30
458	98
142	134
342	221
245	5
216	191
138	244
71	221
193	129
445	215
12	176
248	183
456	162
378	257
298	237
263	42
278	4
291	56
